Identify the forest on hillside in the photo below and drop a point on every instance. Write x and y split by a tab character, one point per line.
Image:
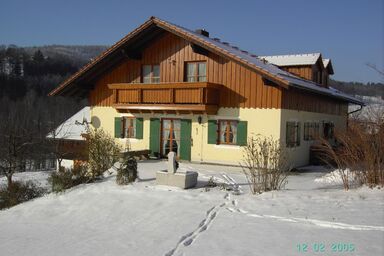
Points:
40	69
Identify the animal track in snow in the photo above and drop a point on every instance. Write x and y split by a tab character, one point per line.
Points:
188	239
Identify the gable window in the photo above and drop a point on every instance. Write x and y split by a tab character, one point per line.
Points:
293	134
150	74
196	72
328	130
228	131
311	130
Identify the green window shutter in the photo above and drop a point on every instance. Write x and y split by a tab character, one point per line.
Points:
154	136
118	131
139	128
212	132
242	133
185	139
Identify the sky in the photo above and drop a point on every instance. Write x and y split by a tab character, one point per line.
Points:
350	32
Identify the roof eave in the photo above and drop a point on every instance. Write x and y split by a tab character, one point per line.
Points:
349	99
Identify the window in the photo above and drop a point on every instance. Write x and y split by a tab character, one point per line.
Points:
196	72
311	130
328	130
228	131
151	74
129	127
52	163
293	134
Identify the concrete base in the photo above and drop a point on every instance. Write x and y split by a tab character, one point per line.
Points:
179	179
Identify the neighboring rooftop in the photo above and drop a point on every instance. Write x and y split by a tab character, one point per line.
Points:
73	127
293	59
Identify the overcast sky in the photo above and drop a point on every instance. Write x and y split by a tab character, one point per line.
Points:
350	32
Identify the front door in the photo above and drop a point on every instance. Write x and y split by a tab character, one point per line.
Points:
170	136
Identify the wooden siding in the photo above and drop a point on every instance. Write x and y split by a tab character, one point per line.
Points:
303	101
301	71
241	86
309	72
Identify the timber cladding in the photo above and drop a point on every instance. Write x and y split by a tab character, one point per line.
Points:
303	101
240	87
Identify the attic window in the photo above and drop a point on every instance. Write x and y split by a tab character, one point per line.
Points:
151	74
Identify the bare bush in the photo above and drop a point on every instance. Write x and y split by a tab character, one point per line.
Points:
19	192
359	149
103	152
265	164
67	178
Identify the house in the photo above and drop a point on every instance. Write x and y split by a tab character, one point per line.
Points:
167	88
308	66
69	141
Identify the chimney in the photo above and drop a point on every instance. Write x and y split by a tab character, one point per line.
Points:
202	31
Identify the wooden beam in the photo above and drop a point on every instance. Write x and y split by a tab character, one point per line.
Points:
209	109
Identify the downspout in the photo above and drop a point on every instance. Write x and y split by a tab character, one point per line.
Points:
354	111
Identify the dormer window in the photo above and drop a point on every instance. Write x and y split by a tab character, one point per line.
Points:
151	74
196	71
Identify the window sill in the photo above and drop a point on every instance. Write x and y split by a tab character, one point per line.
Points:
224	146
131	140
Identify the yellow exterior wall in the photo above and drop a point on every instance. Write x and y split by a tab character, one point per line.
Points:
267	122
104	117
299	156
260	121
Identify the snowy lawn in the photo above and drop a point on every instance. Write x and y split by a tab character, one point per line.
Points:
39	178
144	219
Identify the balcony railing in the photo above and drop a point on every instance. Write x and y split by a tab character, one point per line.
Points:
187	97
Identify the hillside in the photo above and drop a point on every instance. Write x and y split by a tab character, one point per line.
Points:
79	53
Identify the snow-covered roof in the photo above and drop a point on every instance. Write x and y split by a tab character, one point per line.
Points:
326	62
293	60
73	127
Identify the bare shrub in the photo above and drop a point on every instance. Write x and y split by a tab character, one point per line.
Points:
359	149
67	178
265	164
103	152
19	192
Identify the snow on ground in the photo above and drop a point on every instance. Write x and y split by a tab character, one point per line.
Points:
39	178
145	219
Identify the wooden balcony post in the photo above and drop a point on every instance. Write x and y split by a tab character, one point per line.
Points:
202	100
140	95
115	96
172	97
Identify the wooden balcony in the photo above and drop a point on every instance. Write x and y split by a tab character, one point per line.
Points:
200	97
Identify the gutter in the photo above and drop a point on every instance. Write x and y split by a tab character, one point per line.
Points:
357	110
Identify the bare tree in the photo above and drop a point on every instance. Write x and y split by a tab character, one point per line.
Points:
22	133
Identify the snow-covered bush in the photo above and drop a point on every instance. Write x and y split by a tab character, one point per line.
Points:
19	192
265	164
127	172
103	152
